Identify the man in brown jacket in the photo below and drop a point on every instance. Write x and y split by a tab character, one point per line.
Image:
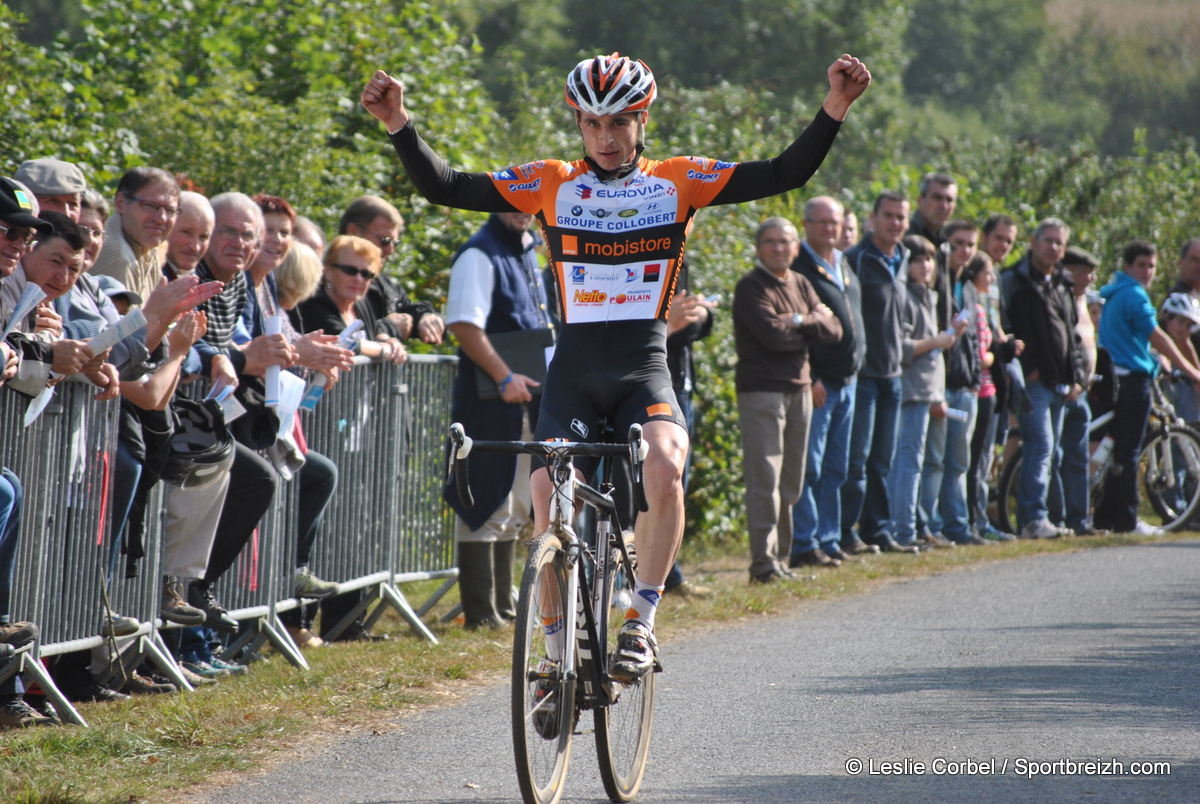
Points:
776	314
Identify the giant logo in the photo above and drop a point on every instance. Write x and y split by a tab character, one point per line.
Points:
590	297
627	247
528	186
706	177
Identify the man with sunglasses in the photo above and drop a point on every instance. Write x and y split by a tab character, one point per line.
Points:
375	220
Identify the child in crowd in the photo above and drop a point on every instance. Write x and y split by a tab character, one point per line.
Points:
1179	314
923	385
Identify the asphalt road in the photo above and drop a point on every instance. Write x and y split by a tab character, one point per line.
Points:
1091	656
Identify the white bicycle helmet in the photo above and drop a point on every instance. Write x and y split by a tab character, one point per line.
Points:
610	85
1182	304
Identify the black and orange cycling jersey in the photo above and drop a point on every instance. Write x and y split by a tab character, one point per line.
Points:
615	249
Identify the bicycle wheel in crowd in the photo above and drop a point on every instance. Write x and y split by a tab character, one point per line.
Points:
543	701
1170	469
1006	494
623	727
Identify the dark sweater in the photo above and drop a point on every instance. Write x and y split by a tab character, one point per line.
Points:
835	363
773	352
1043	316
883	296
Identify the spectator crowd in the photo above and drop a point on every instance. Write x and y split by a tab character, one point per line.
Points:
877	375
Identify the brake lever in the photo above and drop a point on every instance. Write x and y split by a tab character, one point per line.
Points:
459	451
638	450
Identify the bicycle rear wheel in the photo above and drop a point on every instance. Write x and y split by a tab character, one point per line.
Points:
1170	469
543	701
1006	493
623	727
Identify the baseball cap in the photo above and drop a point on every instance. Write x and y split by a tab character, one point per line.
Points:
114	289
51	177
16	207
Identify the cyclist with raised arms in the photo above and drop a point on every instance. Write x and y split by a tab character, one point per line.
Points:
615	223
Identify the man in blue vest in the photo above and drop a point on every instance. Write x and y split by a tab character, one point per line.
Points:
495	287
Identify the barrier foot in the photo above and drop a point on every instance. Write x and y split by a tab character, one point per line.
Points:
66	712
436	596
392	597
153	647
239	643
450	615
282	641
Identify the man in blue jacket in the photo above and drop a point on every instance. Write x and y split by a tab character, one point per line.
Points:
1128	328
881	264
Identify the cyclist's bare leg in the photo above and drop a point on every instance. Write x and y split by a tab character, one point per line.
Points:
659	530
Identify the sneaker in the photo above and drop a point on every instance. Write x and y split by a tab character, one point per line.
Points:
545	713
310	586
16	714
1146	529
204	669
994	535
195	679
1040	529
216	616
689	589
935	541
304	638
94	694
636	653
140	685
18	634
974	539
118	626
813	558
232	668
174	608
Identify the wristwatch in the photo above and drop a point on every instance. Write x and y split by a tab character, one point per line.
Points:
797	320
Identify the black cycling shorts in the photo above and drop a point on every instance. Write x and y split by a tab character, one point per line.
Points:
615	371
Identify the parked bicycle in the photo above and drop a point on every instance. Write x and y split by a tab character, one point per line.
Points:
558	672
1169	468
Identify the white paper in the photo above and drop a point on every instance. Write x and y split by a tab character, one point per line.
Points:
291	391
350	334
39	403
30	297
113	334
232	408
271	378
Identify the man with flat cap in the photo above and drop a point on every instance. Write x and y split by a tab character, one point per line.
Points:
58	185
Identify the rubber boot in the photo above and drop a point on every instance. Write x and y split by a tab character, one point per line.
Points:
476	585
503	556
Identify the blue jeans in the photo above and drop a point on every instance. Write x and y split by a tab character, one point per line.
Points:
1069	502
11	497
872	446
1041	428
817	515
125	482
905	481
944	476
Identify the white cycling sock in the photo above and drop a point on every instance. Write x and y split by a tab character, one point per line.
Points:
645	603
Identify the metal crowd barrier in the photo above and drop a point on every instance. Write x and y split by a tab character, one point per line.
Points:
386	525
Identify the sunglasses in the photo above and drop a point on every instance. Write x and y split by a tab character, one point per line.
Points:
17	234
350	270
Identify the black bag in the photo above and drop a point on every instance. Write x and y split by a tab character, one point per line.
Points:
259	426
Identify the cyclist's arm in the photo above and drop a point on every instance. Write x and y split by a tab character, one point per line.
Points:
789	170
442	184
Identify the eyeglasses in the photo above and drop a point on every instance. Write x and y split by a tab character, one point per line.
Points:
154	208
825	222
353	270
95	234
17	234
386	240
247	238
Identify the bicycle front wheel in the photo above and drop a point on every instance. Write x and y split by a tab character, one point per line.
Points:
623	726
543	701
1170	468
1006	494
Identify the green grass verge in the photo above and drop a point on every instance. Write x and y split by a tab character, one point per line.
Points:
156	748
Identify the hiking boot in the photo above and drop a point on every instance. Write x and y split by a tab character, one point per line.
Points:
545	710
18	634
174	608
16	714
636	653
216	616
310	586
118	626
140	685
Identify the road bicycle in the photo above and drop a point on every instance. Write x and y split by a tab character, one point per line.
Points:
1168	468
558	672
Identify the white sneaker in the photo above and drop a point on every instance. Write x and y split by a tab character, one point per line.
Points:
1040	529
1146	529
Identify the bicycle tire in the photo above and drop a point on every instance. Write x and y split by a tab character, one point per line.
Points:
1006	493
623	727
1170	470
541	744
